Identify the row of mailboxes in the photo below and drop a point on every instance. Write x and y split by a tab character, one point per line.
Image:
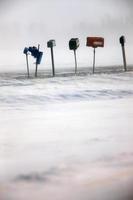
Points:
74	43
90	42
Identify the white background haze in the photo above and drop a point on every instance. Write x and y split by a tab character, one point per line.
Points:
25	23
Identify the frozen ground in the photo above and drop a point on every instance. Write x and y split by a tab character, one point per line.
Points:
68	137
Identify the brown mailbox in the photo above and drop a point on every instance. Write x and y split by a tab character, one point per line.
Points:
95	42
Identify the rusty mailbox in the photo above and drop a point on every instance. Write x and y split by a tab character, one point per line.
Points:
95	42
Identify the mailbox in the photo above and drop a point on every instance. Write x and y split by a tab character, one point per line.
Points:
34	51
73	43
25	50
122	40
95	42
51	43
39	58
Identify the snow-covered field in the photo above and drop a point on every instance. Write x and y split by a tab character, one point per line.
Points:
68	137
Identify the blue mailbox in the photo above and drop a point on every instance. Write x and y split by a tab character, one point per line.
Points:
34	51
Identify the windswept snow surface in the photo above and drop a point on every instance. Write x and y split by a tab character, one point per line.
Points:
66	138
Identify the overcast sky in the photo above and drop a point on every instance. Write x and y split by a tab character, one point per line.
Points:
29	22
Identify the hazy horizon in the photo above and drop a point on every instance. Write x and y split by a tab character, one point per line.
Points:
25	23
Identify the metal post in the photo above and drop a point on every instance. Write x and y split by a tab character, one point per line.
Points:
75	61
124	57
52	58
94	61
36	62
27	65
